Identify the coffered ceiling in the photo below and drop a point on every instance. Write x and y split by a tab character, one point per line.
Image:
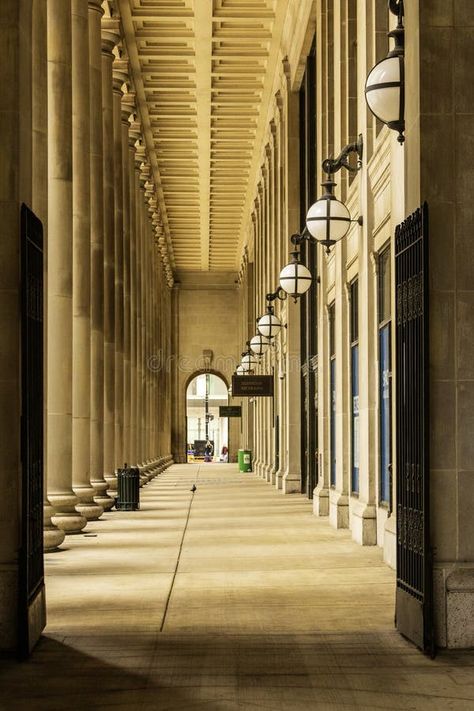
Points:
203	71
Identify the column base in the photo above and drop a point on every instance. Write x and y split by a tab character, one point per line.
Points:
87	506
363	523
338	509
278	478
267	472
100	497
321	501
291	483
52	536
454	606
111	480
65	515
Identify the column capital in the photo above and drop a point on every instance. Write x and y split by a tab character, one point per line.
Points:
135	131
128	107
140	155
119	74
110	33
96	5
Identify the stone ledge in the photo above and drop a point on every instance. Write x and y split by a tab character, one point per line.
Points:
460	580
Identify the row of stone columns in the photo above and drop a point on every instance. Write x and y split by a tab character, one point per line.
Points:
106	283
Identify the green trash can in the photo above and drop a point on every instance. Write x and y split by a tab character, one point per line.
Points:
245	460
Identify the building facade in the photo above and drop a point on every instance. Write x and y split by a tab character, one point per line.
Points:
168	165
331	433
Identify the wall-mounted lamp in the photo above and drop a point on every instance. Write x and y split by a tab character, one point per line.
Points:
269	325
259	344
327	221
295	278
249	361
385	85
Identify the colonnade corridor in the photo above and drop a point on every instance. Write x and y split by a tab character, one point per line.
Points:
232	597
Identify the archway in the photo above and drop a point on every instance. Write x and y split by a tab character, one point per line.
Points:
207	434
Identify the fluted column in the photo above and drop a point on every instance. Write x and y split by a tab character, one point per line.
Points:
134	135
81	228
97	260
59	294
128	104
138	246
119	76
135	296
144	174
110	37
53	536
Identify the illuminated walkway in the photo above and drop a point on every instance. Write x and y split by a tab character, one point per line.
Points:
268	608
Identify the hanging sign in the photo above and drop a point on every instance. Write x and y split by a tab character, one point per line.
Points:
230	411
252	386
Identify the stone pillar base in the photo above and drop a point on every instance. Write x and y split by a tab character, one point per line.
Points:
291	483
338	509
363	523
100	497
454	606
65	515
52	536
277	479
321	500
87	506
111	480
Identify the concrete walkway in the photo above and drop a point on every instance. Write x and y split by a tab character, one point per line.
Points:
233	598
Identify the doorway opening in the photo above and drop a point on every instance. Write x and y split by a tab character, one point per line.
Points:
207	434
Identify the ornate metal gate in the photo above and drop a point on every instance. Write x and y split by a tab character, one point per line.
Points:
31	589
414	566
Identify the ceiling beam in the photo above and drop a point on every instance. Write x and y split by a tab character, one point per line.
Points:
203	39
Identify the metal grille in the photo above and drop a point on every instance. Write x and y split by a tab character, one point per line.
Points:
32	573
412	426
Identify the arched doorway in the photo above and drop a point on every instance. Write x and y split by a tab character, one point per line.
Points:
205	393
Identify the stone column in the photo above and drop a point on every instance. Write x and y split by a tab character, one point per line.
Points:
128	104
15	189
110	37
139	157
144	174
292	476
97	260
119	76
134	135
81	229
59	348
53	536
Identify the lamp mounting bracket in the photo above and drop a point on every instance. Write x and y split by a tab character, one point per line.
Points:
332	165
299	237
396	8
278	294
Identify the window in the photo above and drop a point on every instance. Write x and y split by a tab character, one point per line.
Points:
354	344
385	389
332	389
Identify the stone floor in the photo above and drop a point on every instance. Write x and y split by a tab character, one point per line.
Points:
233	598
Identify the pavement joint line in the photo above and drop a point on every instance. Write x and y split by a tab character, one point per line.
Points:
170	592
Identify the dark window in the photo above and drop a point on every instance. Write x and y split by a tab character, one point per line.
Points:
354	336
385	375
384	286
332	388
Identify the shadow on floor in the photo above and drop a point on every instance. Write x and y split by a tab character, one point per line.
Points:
227	672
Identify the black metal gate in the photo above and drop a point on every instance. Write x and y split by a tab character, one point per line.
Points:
31	589
414	566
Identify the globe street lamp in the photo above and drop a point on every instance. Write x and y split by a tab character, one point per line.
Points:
385	85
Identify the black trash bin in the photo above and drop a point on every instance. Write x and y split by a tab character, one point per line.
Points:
128	489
